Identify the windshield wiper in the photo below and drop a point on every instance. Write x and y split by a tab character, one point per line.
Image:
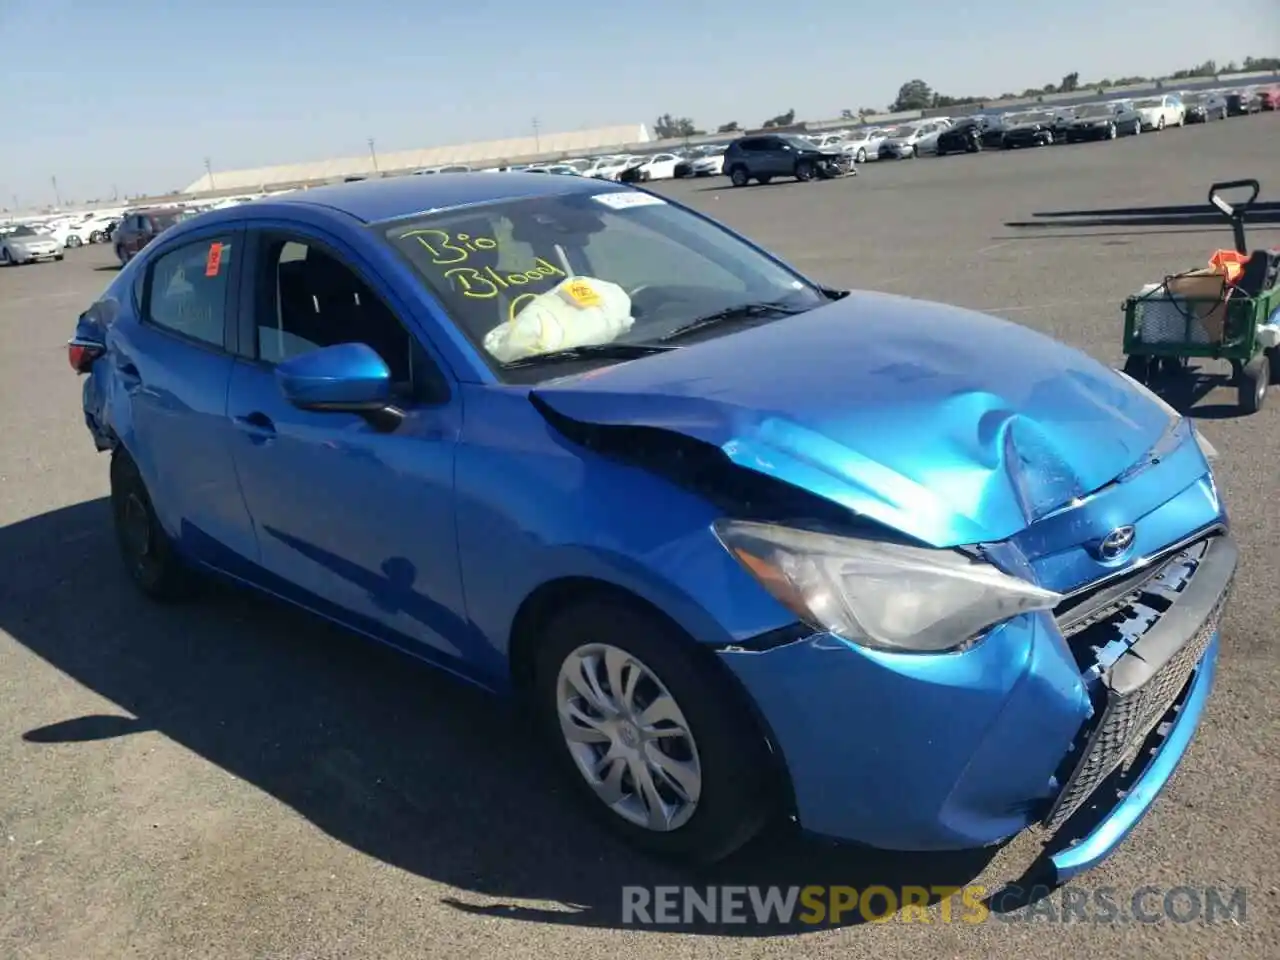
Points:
594	351
744	311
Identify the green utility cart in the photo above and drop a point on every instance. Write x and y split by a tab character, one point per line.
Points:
1199	315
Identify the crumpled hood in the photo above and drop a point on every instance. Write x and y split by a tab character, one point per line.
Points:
948	425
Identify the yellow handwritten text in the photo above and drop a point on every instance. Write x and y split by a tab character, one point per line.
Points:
447	249
484	283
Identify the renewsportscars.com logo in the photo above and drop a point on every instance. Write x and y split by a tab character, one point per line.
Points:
971	904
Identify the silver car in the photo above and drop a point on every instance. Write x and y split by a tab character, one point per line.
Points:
27	245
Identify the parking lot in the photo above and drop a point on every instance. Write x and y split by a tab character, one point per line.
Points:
231	779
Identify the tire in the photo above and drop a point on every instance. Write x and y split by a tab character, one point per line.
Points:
861	156
147	552
1160	125
1139	368
1273	354
1255	377
122	255
731	787
804	171
58	257
738	176
73	241
96	237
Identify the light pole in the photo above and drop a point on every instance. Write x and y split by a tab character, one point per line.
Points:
374	155
57	194
537	139
208	168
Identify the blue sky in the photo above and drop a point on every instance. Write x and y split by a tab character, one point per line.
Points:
134	94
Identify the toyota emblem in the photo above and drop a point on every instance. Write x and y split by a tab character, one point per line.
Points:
1116	543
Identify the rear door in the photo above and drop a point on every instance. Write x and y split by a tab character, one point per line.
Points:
170	363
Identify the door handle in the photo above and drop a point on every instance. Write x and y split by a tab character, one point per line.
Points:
258	426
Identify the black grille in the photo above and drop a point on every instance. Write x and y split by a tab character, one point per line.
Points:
1125	719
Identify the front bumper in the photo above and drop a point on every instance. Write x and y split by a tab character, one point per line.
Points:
1091	132
1042	725
34	256
1039	139
895	151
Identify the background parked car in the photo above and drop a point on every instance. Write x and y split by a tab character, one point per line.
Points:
1269	98
660	166
1243	102
1163	111
1104	121
911	140
140	227
1203	107
1039	128
710	164
24	244
963	136
864	145
777	155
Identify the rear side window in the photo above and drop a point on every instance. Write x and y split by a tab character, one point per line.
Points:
186	290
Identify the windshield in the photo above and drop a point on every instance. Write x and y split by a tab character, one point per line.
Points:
166	220
529	277
902	131
1149	102
1041	117
1097	110
23	232
1193	98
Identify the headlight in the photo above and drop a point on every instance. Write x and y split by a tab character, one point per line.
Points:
879	595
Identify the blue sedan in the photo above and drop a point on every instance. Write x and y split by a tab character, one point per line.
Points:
745	546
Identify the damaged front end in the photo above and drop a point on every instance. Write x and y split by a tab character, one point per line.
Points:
913	740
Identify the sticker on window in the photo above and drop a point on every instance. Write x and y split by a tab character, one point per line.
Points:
214	261
582	294
625	199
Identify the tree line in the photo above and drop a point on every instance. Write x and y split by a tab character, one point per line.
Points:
918	95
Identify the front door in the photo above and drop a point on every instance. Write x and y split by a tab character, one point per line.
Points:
350	521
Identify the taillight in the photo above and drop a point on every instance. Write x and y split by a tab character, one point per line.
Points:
82	353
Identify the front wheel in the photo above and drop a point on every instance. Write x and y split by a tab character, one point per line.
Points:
738	176
804	171
650	732
73	241
861	156
148	554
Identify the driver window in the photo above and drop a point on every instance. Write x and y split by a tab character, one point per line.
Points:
307	299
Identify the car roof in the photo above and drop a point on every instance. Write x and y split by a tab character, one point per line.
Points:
376	200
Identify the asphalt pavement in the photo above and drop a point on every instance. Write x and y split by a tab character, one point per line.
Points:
231	779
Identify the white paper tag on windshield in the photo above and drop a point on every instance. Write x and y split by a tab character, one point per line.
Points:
623	199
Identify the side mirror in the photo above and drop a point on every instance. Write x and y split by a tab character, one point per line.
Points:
344	378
